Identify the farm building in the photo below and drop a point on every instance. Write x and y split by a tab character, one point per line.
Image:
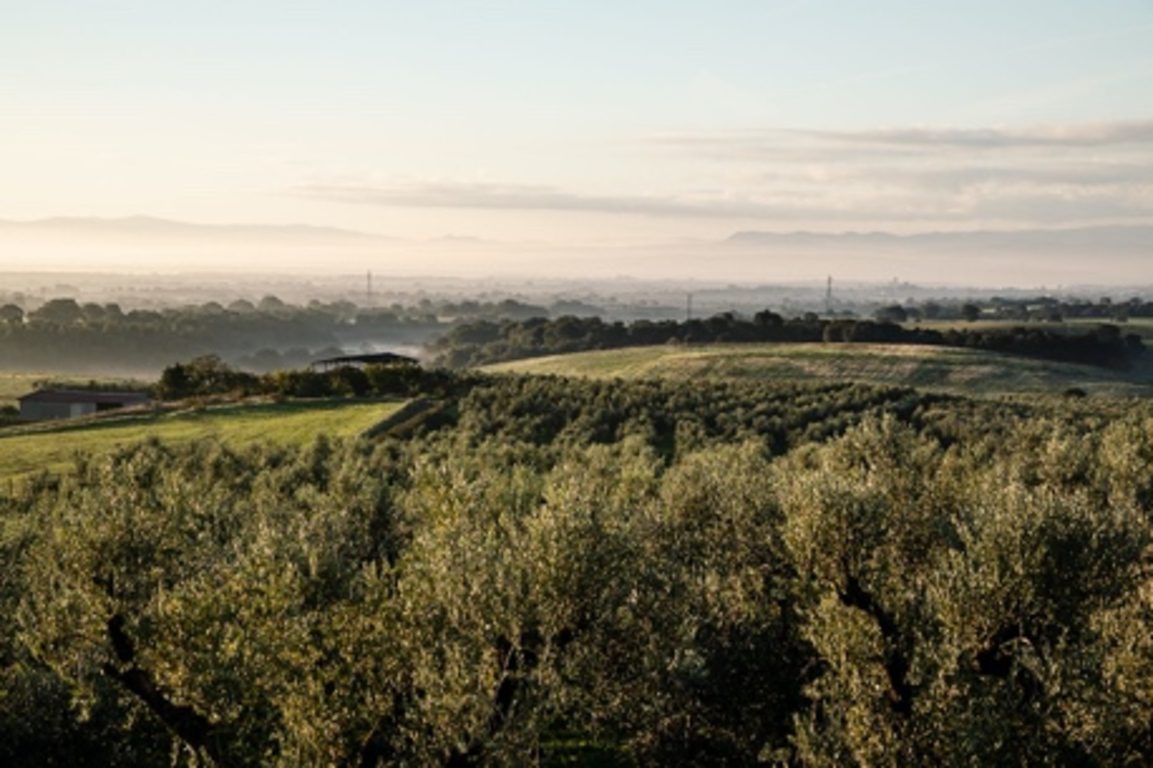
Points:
374	358
69	403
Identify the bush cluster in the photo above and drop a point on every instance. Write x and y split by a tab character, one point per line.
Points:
208	375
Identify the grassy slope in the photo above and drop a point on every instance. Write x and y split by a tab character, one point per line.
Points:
14	384
941	368
51	445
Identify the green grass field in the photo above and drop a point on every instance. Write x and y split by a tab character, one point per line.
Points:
52	445
14	385
948	369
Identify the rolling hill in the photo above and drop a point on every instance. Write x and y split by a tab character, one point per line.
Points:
949	369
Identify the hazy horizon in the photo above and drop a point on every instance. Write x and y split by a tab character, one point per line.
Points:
505	138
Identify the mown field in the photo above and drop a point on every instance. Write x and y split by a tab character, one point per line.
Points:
53	445
944	369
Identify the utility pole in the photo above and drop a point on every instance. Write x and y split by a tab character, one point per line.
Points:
829	297
368	287
688	307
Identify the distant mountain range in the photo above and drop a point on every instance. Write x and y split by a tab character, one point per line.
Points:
154	228
1086	239
1083	239
1113	255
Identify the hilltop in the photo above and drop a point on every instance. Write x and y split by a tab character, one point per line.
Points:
967	371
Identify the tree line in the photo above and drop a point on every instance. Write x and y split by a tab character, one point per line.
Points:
270	335
1033	309
483	342
261	336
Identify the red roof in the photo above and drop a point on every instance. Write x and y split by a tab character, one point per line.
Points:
85	396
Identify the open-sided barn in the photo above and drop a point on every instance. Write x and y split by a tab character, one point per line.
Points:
373	358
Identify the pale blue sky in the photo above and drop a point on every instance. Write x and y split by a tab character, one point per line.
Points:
580	121
576	66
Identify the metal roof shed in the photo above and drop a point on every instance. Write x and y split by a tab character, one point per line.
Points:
69	403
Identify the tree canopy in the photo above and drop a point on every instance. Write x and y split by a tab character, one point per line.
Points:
641	573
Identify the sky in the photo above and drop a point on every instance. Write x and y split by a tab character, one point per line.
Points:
571	127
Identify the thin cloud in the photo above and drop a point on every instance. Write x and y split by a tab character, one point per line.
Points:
1119	179
514	197
817	203
1000	195
1075	174
1080	135
781	144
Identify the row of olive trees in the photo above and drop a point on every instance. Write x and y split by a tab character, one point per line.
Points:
877	600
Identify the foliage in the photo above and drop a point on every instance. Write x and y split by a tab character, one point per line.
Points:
264	336
677	573
209	375
485	342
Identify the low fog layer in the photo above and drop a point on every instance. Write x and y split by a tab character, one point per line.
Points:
1034	258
